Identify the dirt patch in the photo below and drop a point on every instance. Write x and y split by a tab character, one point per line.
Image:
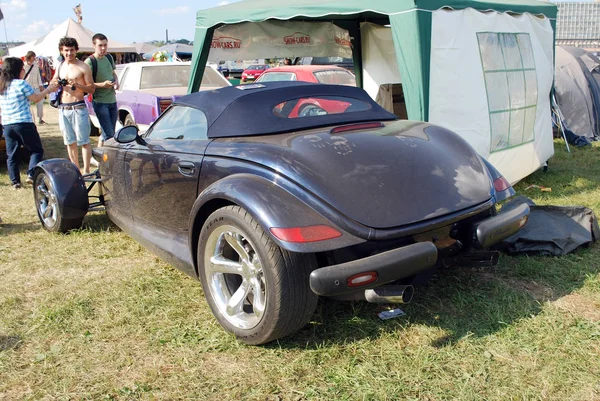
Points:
539	292
9	342
579	305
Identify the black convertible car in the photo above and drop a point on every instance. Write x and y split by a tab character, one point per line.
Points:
274	194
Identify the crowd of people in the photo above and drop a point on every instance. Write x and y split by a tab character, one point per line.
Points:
21	83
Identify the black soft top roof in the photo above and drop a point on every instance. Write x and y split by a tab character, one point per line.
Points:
248	109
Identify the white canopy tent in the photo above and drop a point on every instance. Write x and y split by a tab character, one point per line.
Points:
47	45
141	48
500	80
499	68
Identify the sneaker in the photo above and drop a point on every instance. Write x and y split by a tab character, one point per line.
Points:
29	180
17	185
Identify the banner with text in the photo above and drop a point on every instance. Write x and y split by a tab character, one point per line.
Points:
269	39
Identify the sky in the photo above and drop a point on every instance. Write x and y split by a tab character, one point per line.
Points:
125	21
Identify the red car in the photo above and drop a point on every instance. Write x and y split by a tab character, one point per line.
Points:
325	74
254	71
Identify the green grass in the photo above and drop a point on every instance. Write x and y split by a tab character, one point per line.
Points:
93	316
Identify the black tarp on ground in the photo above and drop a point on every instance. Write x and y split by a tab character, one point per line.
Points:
552	230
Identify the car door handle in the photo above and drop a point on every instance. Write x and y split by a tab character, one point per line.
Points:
187	168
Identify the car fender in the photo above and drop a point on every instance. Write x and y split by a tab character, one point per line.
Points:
494	175
270	205
69	186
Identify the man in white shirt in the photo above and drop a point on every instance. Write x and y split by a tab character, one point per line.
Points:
33	76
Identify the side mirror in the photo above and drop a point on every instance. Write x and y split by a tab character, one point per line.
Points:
128	134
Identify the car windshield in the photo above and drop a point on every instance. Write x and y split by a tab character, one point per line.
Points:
167	76
256	67
337	77
277	76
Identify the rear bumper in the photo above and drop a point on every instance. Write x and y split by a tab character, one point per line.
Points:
494	229
409	260
389	266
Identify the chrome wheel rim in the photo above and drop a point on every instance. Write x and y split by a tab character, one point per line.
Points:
235	278
45	199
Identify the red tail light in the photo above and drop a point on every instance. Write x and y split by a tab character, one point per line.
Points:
305	234
163	104
501	184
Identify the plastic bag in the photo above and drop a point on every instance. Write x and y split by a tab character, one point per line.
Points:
55	97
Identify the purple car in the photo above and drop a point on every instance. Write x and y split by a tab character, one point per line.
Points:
146	89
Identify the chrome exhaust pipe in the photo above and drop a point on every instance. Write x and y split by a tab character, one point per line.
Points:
390	294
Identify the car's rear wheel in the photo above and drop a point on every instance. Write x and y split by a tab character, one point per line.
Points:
255	289
129	121
48	206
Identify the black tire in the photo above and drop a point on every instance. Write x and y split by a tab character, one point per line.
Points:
281	277
48	206
129	121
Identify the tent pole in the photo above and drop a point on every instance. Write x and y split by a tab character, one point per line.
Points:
560	121
5	35
353	28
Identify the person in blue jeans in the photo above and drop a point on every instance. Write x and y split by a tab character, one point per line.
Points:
105	80
19	129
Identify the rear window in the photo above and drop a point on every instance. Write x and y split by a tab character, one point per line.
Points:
277	76
330	60
165	76
170	76
319	106
337	77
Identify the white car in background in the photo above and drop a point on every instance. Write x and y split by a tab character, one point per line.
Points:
147	88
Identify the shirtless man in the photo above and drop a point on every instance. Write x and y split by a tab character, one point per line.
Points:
73	117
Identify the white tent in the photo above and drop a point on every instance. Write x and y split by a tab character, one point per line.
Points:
141	48
489	87
47	45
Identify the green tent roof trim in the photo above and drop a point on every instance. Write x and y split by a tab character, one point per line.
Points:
262	10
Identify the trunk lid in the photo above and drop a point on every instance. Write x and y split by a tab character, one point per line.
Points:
398	174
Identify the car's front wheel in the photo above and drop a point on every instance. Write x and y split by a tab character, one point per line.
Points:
255	289
48	206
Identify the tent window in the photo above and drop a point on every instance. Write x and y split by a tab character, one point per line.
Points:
511	86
